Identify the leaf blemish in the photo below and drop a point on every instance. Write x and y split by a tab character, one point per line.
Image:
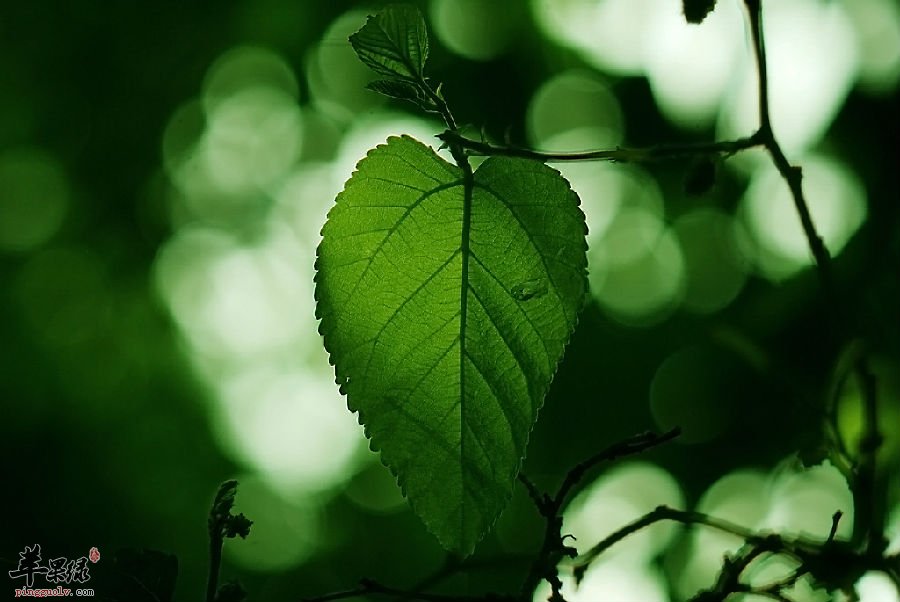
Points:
529	289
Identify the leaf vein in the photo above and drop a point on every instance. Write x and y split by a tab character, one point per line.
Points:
518	306
394	227
409	298
499	398
531	240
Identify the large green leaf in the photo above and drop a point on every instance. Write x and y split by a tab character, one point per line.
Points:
445	309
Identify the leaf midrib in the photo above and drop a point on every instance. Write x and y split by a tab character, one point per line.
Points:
468	187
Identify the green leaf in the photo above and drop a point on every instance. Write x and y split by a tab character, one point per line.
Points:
445	308
394	43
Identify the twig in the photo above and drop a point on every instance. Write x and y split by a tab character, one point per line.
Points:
221	524
869	523
616	155
776	590
835	522
629	447
660	513
215	561
217	515
833	563
539	499
553	549
729	579
792	175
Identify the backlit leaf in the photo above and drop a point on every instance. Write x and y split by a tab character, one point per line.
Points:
394	43
445	309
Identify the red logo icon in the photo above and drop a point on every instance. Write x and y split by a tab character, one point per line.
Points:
94	555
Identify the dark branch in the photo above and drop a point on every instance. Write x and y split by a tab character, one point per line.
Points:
835	522
629	447
539	499
869	524
617	155
554	548
660	513
729	579
792	175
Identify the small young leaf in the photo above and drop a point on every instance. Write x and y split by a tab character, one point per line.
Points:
697	10
417	280
394	43
221	522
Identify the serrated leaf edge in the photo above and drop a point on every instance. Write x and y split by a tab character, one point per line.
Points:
361	415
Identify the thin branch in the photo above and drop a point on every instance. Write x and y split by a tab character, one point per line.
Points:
777	588
215	562
553	549
869	523
539	499
218	515
729	578
835	522
629	447
792	175
616	155
833	563
660	513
